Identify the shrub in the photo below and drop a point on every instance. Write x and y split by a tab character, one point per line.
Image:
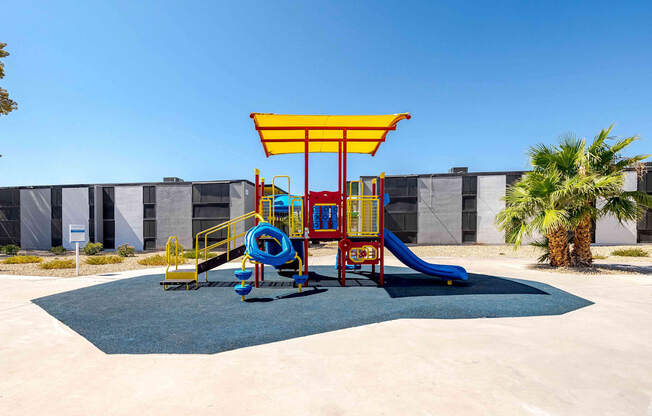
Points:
96	260
92	249
22	260
190	254
11	249
180	250
599	257
125	250
58	264
159	260
58	250
630	252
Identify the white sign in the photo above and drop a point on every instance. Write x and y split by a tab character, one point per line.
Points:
77	233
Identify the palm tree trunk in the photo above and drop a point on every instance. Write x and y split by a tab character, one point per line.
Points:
558	247
581	255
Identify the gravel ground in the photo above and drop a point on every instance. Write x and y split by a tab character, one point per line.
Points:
498	251
611	264
32	269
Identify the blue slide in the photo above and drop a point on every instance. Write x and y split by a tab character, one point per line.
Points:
407	257
285	253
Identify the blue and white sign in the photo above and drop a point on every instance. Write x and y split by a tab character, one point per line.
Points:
77	233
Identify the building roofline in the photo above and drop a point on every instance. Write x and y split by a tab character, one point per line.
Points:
88	185
445	174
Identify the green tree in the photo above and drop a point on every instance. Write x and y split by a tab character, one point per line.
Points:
572	158
544	201
7	105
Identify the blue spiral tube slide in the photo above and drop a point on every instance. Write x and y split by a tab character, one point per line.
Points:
285	254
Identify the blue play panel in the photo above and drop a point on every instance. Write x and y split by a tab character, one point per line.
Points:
135	316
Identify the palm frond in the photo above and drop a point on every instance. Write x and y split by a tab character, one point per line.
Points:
543	245
623	143
640	198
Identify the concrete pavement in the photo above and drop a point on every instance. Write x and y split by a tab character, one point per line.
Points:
592	361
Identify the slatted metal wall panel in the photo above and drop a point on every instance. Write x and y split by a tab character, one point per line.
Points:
108	217
91	214
9	217
210	207
56	199
644	225
149	217
469	209
402	210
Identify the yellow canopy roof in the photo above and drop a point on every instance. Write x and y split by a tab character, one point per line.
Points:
285	133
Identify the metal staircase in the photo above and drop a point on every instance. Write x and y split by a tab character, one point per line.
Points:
232	235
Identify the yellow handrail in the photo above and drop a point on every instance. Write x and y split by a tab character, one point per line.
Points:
231	236
296	217
269	200
368	216
360	188
176	252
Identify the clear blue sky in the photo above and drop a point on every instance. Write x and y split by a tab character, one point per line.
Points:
133	91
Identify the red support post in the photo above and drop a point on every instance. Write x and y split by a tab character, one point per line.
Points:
261	267
344	189
381	280
341	270
344	204
343	267
306	214
373	192
256	206
339	180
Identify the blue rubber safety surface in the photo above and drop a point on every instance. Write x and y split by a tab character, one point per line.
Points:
135	316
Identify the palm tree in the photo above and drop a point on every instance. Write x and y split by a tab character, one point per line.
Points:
569	158
572	158
541	202
604	159
547	201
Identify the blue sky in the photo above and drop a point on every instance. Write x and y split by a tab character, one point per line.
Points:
133	91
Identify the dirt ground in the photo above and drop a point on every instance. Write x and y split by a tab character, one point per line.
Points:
611	264
32	269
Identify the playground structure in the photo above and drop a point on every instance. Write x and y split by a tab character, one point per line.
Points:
280	230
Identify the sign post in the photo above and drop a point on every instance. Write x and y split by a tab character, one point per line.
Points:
77	235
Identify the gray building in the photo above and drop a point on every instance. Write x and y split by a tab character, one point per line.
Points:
460	206
142	215
442	208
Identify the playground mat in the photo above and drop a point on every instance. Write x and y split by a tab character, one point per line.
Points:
135	316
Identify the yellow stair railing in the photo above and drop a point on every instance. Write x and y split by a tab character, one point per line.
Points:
236	228
177	276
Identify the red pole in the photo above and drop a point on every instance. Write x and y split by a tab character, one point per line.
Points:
373	192
344	205
344	185
261	267
382	229
339	180
256	206
341	265
306	215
